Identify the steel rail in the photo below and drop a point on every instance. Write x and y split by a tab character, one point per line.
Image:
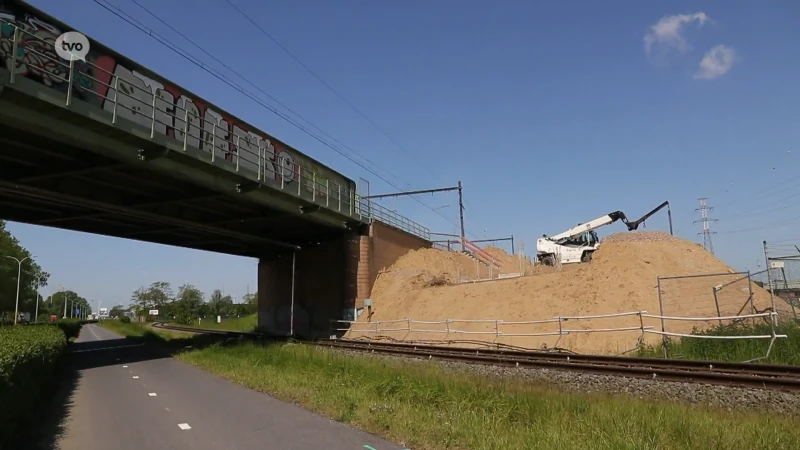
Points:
750	375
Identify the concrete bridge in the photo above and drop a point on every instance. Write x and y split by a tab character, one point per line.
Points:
106	146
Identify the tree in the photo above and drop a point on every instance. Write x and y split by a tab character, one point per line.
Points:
29	284
187	304
156	296
54	304
117	311
220	304
250	303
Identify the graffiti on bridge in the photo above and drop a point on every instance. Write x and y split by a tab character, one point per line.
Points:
94	80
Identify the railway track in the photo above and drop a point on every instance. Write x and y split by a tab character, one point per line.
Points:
759	376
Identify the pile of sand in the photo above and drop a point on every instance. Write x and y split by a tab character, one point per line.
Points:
509	263
622	277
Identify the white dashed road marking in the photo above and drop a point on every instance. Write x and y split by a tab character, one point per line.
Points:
91	329
152	394
124	367
184	426
135	377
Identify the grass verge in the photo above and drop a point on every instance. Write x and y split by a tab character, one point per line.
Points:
784	351
31	363
430	407
245	324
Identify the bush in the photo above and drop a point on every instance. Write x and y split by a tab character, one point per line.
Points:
30	364
70	327
124	319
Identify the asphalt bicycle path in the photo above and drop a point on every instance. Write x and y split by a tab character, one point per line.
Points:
128	396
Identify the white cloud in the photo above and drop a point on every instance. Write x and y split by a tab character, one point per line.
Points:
666	33
716	63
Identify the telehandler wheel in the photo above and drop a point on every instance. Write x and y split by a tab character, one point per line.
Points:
586	257
549	261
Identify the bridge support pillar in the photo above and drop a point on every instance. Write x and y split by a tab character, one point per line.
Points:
325	287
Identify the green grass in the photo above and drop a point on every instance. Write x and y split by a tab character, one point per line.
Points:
785	350
125	329
428	407
245	323
31	358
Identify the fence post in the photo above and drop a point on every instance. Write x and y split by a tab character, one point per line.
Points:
409	325
153	118
496	329
70	77
114	100
769	278
313	186
716	303
661	312
14	50
186	135
641	325
750	293
447	325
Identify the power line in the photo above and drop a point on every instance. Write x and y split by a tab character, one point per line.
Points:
258	88
704	209
782	223
756	210
324	83
225	80
763	193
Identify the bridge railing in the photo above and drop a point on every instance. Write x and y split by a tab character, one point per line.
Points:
155	110
378	212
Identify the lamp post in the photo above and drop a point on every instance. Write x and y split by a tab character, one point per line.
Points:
19	275
38	296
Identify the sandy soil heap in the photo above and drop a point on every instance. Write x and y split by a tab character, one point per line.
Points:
622	277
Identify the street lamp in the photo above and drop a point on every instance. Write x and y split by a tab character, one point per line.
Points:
19	275
64	294
38	296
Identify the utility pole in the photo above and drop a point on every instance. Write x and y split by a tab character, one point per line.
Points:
461	213
458	188
706	221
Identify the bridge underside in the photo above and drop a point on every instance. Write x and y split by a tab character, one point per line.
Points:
48	182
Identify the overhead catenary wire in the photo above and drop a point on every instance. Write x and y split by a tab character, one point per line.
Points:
258	88
184	54
305	66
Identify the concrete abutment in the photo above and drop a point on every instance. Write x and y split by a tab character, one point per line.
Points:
331	280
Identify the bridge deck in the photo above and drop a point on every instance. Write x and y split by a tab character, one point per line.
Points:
90	151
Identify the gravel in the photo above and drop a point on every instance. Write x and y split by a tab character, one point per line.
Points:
726	397
639	236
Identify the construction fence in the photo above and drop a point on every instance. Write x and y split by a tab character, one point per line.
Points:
450	331
782	279
727	294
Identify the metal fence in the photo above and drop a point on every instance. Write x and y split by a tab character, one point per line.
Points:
782	279
729	294
455	330
242	152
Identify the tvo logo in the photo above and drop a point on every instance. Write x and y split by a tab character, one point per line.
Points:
72	46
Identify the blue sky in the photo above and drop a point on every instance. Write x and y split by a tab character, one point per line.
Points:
550	113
